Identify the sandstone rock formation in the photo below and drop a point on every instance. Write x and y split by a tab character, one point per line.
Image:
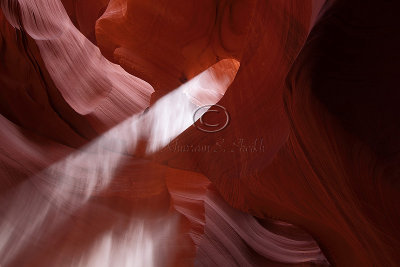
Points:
101	165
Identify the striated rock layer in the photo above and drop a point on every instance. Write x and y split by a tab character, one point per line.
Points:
100	164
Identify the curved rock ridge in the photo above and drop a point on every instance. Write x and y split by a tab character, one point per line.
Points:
103	162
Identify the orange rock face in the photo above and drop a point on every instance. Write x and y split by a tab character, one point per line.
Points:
207	133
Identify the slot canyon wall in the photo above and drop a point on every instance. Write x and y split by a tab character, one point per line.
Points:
102	163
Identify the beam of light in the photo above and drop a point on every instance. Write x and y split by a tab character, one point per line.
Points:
38	206
36	209
141	245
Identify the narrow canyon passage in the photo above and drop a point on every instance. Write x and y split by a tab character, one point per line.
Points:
199	133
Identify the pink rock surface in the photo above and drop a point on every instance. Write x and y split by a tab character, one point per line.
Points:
101	163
